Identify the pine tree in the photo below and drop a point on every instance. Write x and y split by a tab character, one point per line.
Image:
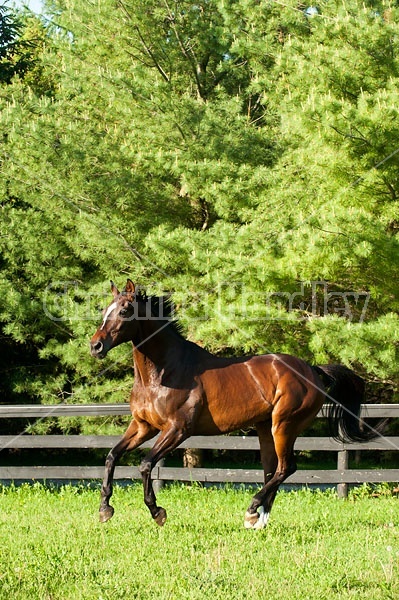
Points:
239	155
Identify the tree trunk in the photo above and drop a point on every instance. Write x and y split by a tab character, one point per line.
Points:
192	458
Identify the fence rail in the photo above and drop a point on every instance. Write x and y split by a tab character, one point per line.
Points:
95	410
341	476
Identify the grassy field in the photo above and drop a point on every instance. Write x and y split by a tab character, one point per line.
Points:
315	546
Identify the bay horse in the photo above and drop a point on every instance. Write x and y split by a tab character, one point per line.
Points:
181	389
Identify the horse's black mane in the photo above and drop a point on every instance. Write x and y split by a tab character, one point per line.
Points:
162	308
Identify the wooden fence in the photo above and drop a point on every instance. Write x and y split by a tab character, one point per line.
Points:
342	476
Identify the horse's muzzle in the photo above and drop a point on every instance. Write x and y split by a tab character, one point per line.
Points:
97	349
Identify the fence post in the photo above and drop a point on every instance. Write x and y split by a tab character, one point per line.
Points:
157	484
342	465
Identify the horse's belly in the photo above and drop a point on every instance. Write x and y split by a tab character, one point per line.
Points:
233	408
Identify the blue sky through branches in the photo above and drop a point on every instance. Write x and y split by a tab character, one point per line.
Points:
35	5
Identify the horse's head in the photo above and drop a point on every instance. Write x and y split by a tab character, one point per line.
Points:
116	327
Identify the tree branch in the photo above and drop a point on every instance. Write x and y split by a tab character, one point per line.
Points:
152	56
146	47
191	58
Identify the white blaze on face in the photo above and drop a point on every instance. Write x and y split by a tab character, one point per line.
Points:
107	314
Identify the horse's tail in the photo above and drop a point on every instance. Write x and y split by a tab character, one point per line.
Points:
345	393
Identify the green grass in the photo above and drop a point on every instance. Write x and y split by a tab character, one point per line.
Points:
315	546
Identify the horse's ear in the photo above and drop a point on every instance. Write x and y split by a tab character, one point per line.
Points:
130	287
114	290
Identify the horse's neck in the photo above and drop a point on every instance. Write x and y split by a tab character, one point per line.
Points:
155	347
145	371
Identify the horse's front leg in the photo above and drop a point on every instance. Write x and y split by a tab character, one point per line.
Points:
136	434
167	441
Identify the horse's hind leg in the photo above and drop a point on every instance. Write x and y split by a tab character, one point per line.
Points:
269	461
268	454
258	512
136	434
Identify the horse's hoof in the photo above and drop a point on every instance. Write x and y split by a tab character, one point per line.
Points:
250	520
257	520
160	517
106	514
